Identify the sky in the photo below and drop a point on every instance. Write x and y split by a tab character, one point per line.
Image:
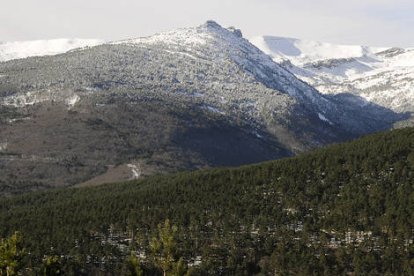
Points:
363	22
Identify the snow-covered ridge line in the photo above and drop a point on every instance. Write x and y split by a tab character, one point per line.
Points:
380	75
190	36
300	51
24	49
216	43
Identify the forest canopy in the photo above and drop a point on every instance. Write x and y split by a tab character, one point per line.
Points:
348	208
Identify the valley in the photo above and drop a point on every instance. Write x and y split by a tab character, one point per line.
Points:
197	151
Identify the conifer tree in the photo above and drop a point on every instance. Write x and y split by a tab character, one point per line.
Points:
11	254
164	252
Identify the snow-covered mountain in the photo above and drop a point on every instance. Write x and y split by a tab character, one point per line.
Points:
189	98
24	49
212	42
381	76
301	52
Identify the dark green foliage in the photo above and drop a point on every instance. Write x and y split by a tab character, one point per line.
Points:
348	208
133	266
51	266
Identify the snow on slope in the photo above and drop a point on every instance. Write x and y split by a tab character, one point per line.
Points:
23	49
219	64
218	47
210	41
300	52
384	76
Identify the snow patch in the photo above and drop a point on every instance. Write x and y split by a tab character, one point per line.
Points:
71	101
10	121
3	146
257	134
30	98
323	118
213	109
35	97
198	95
136	173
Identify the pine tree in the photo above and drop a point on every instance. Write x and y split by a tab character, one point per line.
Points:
164	252
51	266
134	265
11	254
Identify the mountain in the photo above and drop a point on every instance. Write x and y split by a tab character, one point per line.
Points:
24	49
185	99
301	52
381	76
343	210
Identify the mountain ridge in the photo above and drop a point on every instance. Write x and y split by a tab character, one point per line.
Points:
23	49
379	75
302	51
200	96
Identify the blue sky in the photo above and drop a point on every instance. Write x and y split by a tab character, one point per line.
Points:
368	22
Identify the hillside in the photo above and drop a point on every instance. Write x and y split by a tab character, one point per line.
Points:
340	210
186	99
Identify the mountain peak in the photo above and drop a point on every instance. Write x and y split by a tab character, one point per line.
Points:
190	37
212	24
211	42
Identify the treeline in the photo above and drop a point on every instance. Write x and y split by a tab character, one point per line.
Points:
345	209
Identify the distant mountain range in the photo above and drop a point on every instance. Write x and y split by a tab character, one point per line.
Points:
185	99
24	49
381	76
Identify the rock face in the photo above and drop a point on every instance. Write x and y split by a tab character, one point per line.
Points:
358	75
186	99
